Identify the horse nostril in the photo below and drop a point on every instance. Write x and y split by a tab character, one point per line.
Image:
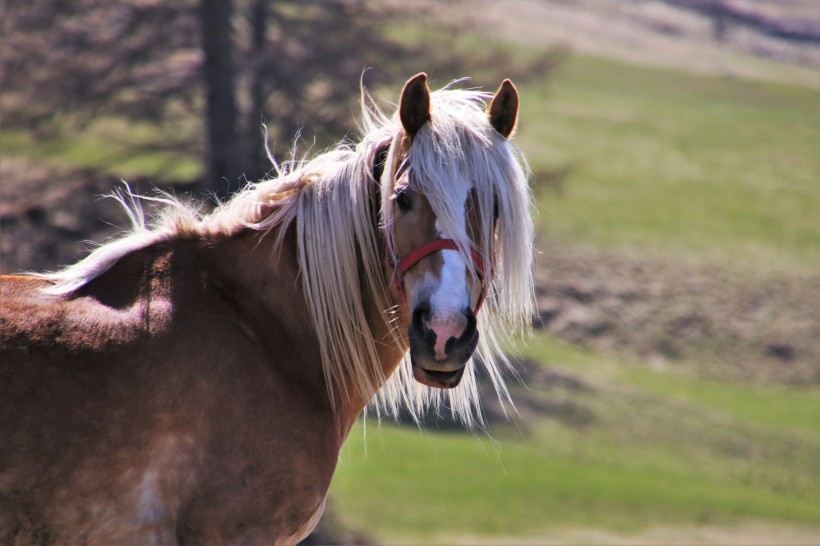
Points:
421	316
471	322
468	336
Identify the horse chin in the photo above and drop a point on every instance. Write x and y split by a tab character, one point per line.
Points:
438	380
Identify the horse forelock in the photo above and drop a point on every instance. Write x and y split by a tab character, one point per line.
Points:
329	201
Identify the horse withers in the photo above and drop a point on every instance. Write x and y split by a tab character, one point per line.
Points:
193	381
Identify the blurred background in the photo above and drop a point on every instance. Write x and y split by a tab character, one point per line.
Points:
670	392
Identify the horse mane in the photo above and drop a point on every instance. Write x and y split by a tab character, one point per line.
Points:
329	201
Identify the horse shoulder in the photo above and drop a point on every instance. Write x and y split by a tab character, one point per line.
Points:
260	390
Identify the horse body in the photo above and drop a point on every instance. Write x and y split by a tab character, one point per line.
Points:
194	382
153	405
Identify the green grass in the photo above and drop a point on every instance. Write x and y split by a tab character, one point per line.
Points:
662	449
113	146
674	163
780	407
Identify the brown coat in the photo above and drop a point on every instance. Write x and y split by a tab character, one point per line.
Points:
179	393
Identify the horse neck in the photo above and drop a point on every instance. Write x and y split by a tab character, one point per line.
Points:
258	280
392	343
264	276
390	354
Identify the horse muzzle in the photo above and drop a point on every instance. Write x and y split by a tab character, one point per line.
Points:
440	346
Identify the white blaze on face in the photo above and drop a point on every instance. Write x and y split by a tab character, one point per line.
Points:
452	294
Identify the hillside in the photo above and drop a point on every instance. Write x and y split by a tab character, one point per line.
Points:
748	42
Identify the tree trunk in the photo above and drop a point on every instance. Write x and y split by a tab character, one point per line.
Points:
225	158
258	20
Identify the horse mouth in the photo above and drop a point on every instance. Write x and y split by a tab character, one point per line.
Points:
438	380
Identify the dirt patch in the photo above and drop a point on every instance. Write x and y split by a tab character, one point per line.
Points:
727	322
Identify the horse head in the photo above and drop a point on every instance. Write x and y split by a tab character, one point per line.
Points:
442	227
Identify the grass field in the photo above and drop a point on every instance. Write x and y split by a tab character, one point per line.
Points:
116	147
653	450
674	163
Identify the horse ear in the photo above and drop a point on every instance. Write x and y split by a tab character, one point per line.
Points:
414	107
503	109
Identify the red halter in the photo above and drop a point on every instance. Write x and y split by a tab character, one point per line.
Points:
434	246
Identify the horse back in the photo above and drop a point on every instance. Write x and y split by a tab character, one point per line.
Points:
122	306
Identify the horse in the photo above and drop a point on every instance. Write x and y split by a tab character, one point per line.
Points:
193	380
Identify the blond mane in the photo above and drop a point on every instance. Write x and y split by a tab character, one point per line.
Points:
329	201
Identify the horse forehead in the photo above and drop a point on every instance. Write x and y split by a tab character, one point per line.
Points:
460	192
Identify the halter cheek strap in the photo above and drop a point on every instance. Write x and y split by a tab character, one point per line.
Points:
434	246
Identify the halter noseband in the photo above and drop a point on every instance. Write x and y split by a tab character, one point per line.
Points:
429	248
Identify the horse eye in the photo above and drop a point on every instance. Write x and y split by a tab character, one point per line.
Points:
402	198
